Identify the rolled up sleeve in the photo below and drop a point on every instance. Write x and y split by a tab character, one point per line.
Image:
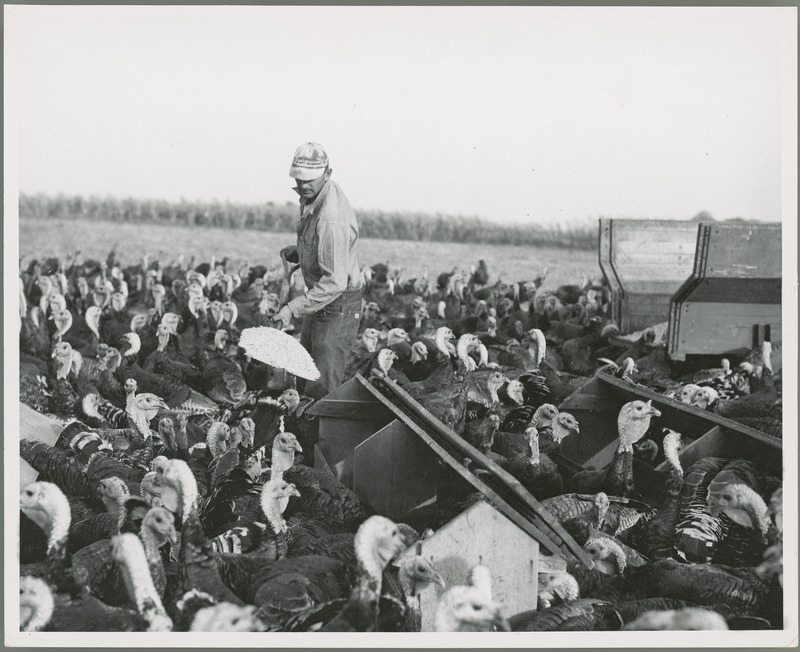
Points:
333	260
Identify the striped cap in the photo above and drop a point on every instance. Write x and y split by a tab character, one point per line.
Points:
309	162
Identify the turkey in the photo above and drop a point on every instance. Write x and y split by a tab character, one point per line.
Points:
656	537
197	567
47	612
617	479
470	607
687	619
175	393
577	614
537	472
583	512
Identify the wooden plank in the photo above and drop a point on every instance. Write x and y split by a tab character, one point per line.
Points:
735	290
551	563
338	439
722	328
743	251
349	409
394	470
482	535
606	263
588	401
351	390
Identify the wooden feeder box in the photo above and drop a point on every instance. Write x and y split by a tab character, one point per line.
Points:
597	404
644	263
388	458
481	534
735	285
347	416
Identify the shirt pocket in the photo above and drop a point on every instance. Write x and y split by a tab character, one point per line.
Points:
308	243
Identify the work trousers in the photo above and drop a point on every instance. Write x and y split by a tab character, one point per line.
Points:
328	335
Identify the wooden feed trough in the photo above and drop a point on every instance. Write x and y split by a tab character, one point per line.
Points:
597	404
644	263
395	455
735	285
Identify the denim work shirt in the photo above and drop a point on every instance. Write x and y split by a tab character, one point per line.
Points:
326	247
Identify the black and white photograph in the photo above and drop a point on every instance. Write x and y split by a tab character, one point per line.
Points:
389	326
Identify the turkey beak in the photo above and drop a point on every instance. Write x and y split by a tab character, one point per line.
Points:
172	535
293	491
298	447
438	579
161	404
653	412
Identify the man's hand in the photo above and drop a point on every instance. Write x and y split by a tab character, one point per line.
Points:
290	254
284	315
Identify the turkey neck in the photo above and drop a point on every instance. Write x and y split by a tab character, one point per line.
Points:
281	462
370	565
461	349
559	432
534	458
141	588
273	510
140	420
487	441
630	431
115	509
418	322
63	368
407	584
675	478
441	345
152	552
55	523
150	544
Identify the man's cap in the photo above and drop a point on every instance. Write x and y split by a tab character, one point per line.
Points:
310	162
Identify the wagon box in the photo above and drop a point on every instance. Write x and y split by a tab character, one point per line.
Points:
644	263
735	285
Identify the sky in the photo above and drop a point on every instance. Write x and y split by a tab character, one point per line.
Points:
526	114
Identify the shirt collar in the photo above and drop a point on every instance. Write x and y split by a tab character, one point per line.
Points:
311	206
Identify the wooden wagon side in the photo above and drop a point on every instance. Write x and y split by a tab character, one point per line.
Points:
644	263
734	287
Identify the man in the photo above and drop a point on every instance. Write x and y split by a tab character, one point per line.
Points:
326	249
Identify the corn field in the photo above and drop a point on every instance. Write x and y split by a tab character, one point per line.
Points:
283	218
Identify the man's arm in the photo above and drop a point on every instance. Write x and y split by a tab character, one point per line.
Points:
333	258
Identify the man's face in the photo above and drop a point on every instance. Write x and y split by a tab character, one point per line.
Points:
308	190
